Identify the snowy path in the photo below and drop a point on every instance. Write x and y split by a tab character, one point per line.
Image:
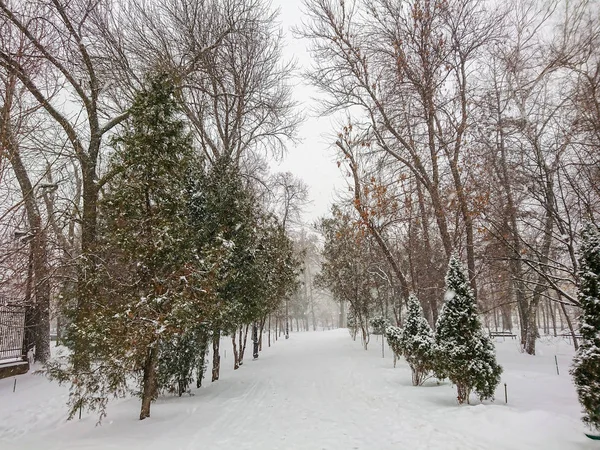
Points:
315	391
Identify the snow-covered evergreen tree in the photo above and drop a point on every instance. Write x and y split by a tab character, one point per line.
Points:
464	353
379	324
586	365
394	338
417	342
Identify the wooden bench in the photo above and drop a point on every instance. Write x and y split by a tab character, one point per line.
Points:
570	336
503	334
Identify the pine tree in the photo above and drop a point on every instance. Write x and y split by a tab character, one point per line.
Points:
586	364
394	339
224	211
146	220
379	324
151	287
417	342
179	356
464	354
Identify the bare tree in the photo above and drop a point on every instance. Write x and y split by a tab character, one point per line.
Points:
407	67
13	116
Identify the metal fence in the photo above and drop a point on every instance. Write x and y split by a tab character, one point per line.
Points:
12	332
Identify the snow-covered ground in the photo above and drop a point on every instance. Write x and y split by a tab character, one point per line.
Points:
318	390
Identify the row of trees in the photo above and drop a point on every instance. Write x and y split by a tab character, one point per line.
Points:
458	349
137	209
470	127
184	252
69	72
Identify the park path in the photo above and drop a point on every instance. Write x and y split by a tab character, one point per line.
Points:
317	390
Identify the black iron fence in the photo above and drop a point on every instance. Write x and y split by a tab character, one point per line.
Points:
12	332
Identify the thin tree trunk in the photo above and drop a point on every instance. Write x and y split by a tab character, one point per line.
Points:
39	260
570	325
514	244
216	365
38	244
202	359
540	286
236	364
562	324
546	318
255	340
260	333
552	309
243	348
149	381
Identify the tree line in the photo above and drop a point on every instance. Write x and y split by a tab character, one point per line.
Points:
468	127
138	210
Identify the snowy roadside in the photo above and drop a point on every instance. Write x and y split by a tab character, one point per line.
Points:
319	390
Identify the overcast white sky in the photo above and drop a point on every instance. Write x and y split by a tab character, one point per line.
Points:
313	159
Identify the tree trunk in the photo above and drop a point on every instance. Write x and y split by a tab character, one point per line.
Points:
463	393
532	330
38	244
202	359
216	365
255	340
468	223
546	318
236	364
149	381
260	333
243	347
39	261
552	310
431	298
514	241
570	325
540	286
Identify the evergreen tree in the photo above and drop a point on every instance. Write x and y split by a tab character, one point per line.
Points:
151	286
179	356
417	342
586	365
379	324
464	353
394	339
225	215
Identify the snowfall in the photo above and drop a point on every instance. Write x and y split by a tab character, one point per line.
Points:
317	390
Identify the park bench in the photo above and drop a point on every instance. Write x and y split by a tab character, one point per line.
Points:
503	334
569	336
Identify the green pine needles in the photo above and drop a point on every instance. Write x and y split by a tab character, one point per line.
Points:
184	252
465	355
586	364
417	342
